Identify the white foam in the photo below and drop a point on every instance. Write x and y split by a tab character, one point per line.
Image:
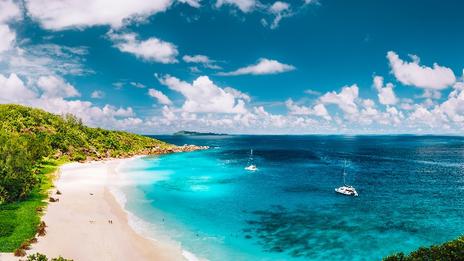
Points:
139	225
189	256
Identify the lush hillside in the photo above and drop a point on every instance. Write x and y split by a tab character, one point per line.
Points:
33	143
452	250
67	135
28	135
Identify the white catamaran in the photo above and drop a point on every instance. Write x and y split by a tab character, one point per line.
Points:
250	166
346	189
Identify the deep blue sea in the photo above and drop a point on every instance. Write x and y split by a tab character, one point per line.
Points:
410	195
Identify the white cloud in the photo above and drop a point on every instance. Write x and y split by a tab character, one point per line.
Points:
263	66
97	94
9	10
279	7
162	99
295	109
321	111
244	5
196	59
192	3
45	59
345	100
152	49
318	110
385	93
137	85
312	92
12	89
7	38
431	94
453	108
54	87
280	10
203	96
412	73
201	59
238	94
63	14
107	116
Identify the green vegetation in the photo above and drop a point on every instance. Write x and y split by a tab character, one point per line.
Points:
452	250
33	143
42	257
19	220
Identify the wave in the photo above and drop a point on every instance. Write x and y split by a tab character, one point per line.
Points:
139	225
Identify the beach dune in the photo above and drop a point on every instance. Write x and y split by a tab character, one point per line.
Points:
87	223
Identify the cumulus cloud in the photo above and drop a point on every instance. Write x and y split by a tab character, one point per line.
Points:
263	66
385	94
7	38
12	89
318	110
412	73
345	100
203	96
151	49
50	94
321	111
53	87
296	109
9	11
201	59
162	99
63	14
238	94
244	5
453	108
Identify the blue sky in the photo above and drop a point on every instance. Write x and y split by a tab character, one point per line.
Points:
238	66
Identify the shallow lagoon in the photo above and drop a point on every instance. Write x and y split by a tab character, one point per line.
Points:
410	195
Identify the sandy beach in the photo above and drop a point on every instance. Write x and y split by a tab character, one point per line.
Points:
88	223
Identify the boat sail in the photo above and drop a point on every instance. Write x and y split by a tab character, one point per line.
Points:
250	166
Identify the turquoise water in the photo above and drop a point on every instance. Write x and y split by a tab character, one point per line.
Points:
410	194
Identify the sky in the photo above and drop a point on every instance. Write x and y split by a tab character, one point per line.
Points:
239	66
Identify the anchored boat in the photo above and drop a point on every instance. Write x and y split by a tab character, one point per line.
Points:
250	166
346	189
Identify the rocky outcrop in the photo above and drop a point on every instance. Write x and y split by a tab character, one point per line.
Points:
174	149
156	150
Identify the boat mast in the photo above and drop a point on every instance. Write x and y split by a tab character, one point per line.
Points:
250	159
344	173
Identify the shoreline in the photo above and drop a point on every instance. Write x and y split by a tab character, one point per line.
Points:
88	222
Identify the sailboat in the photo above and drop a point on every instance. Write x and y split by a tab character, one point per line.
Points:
346	189
250	166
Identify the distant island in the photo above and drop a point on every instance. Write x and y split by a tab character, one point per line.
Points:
196	133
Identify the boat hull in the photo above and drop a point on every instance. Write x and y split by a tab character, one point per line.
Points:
347	191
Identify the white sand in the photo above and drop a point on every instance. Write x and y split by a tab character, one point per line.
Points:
78	225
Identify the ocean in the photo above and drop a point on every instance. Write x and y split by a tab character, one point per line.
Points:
410	195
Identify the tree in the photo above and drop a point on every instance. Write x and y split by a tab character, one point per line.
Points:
18	156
